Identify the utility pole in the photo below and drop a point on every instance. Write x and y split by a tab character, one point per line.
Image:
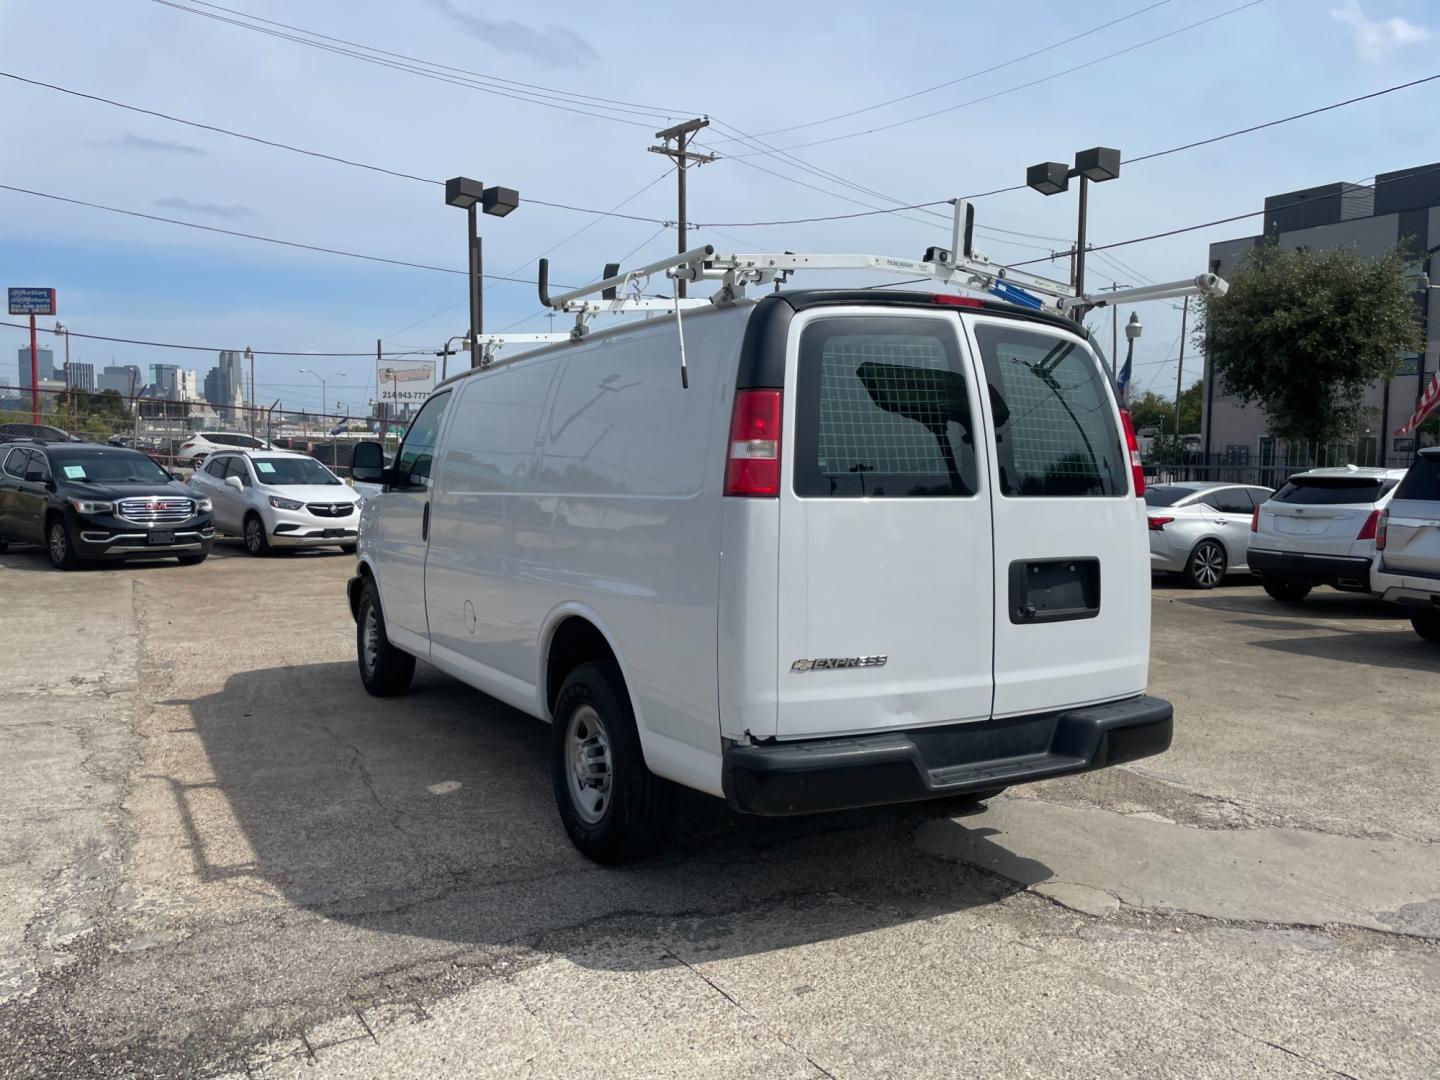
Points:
680	134
1180	369
379	393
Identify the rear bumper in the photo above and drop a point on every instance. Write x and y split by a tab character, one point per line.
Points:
1347	572
929	763
1408	588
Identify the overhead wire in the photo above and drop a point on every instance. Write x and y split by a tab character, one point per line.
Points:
215	349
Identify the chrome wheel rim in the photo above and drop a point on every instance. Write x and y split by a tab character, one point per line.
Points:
1209	564
252	535
57	542
588	767
370	639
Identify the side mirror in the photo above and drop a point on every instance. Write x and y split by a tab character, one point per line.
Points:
234	482
368	464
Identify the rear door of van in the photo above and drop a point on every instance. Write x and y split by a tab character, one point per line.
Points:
1412	543
1071	551
886	584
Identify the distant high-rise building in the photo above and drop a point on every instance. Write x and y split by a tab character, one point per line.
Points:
47	366
165	378
82	376
186	386
123	379
231	380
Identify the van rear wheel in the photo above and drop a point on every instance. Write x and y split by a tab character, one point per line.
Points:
1426	622
613	807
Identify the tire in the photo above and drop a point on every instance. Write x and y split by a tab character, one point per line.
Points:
348	549
1287	592
59	544
1205	568
253	533
193	560
384	670
613	807
4	545
1426	622
973	800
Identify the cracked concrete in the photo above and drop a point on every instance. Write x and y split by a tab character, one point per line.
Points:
220	857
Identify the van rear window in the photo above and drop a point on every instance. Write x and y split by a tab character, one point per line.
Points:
883	410
1054	423
1423	479
1332	490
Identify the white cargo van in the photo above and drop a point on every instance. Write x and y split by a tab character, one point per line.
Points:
880	546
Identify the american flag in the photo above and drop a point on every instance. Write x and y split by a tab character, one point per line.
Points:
1428	401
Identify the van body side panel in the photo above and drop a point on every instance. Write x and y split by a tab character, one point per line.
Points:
886	606
481	598
626	515
1072	556
748	617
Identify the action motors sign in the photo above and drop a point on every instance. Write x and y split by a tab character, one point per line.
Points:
32	301
405	383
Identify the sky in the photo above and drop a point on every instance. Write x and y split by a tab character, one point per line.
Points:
999	87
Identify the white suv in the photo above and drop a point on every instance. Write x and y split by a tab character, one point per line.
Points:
202	444
880	547
1319	529
1407	559
274	498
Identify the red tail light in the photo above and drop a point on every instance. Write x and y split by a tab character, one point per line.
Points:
1382	529
1157	524
1255	520
956	301
1367	531
1137	470
752	465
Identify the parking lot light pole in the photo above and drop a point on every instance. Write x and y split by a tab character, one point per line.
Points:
1098	164
446	352
464	193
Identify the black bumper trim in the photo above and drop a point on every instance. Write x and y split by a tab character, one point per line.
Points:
1307	569
927	763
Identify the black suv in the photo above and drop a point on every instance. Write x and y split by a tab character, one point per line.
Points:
81	501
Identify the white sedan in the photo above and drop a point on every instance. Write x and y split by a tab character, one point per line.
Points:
274	498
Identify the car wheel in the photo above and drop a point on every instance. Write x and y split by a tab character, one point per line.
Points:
193	560
613	807
348	549
4	545
384	669
1426	622
253	531
1206	566
59	544
1288	592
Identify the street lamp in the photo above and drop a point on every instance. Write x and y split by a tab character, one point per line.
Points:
1098	164
61	328
1133	329
446	352
324	395
464	193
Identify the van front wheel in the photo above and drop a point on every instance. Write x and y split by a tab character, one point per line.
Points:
614	809
384	670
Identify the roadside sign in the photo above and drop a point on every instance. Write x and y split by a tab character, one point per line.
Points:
31	301
403	382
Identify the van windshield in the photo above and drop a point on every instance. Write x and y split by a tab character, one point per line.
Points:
1054	422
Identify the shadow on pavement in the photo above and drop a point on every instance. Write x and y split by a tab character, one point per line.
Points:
432	815
1320	604
1398	648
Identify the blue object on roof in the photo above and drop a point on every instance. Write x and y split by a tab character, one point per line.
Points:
1015	294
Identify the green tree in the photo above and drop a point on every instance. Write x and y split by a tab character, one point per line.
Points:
1305	332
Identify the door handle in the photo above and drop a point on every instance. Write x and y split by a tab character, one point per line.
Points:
425	523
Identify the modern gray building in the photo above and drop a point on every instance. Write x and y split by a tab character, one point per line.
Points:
230	381
165	379
46	358
124	379
1401	209
81	376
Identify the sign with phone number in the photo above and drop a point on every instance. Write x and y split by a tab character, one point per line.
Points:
405	383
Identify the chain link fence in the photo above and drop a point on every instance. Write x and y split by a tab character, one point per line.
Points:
178	434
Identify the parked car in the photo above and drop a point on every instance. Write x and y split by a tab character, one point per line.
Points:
195	448
1407	542
81	501
278	498
36	432
1319	529
881	547
1201	530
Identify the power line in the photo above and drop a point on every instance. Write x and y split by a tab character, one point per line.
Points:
1021	86
963	78
207	348
471	83
256	236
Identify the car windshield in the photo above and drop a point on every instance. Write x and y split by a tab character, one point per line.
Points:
281	471
1166	494
1332	490
116	467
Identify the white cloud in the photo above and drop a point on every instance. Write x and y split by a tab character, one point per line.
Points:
1376	38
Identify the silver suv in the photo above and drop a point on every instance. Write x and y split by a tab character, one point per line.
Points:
1407	541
